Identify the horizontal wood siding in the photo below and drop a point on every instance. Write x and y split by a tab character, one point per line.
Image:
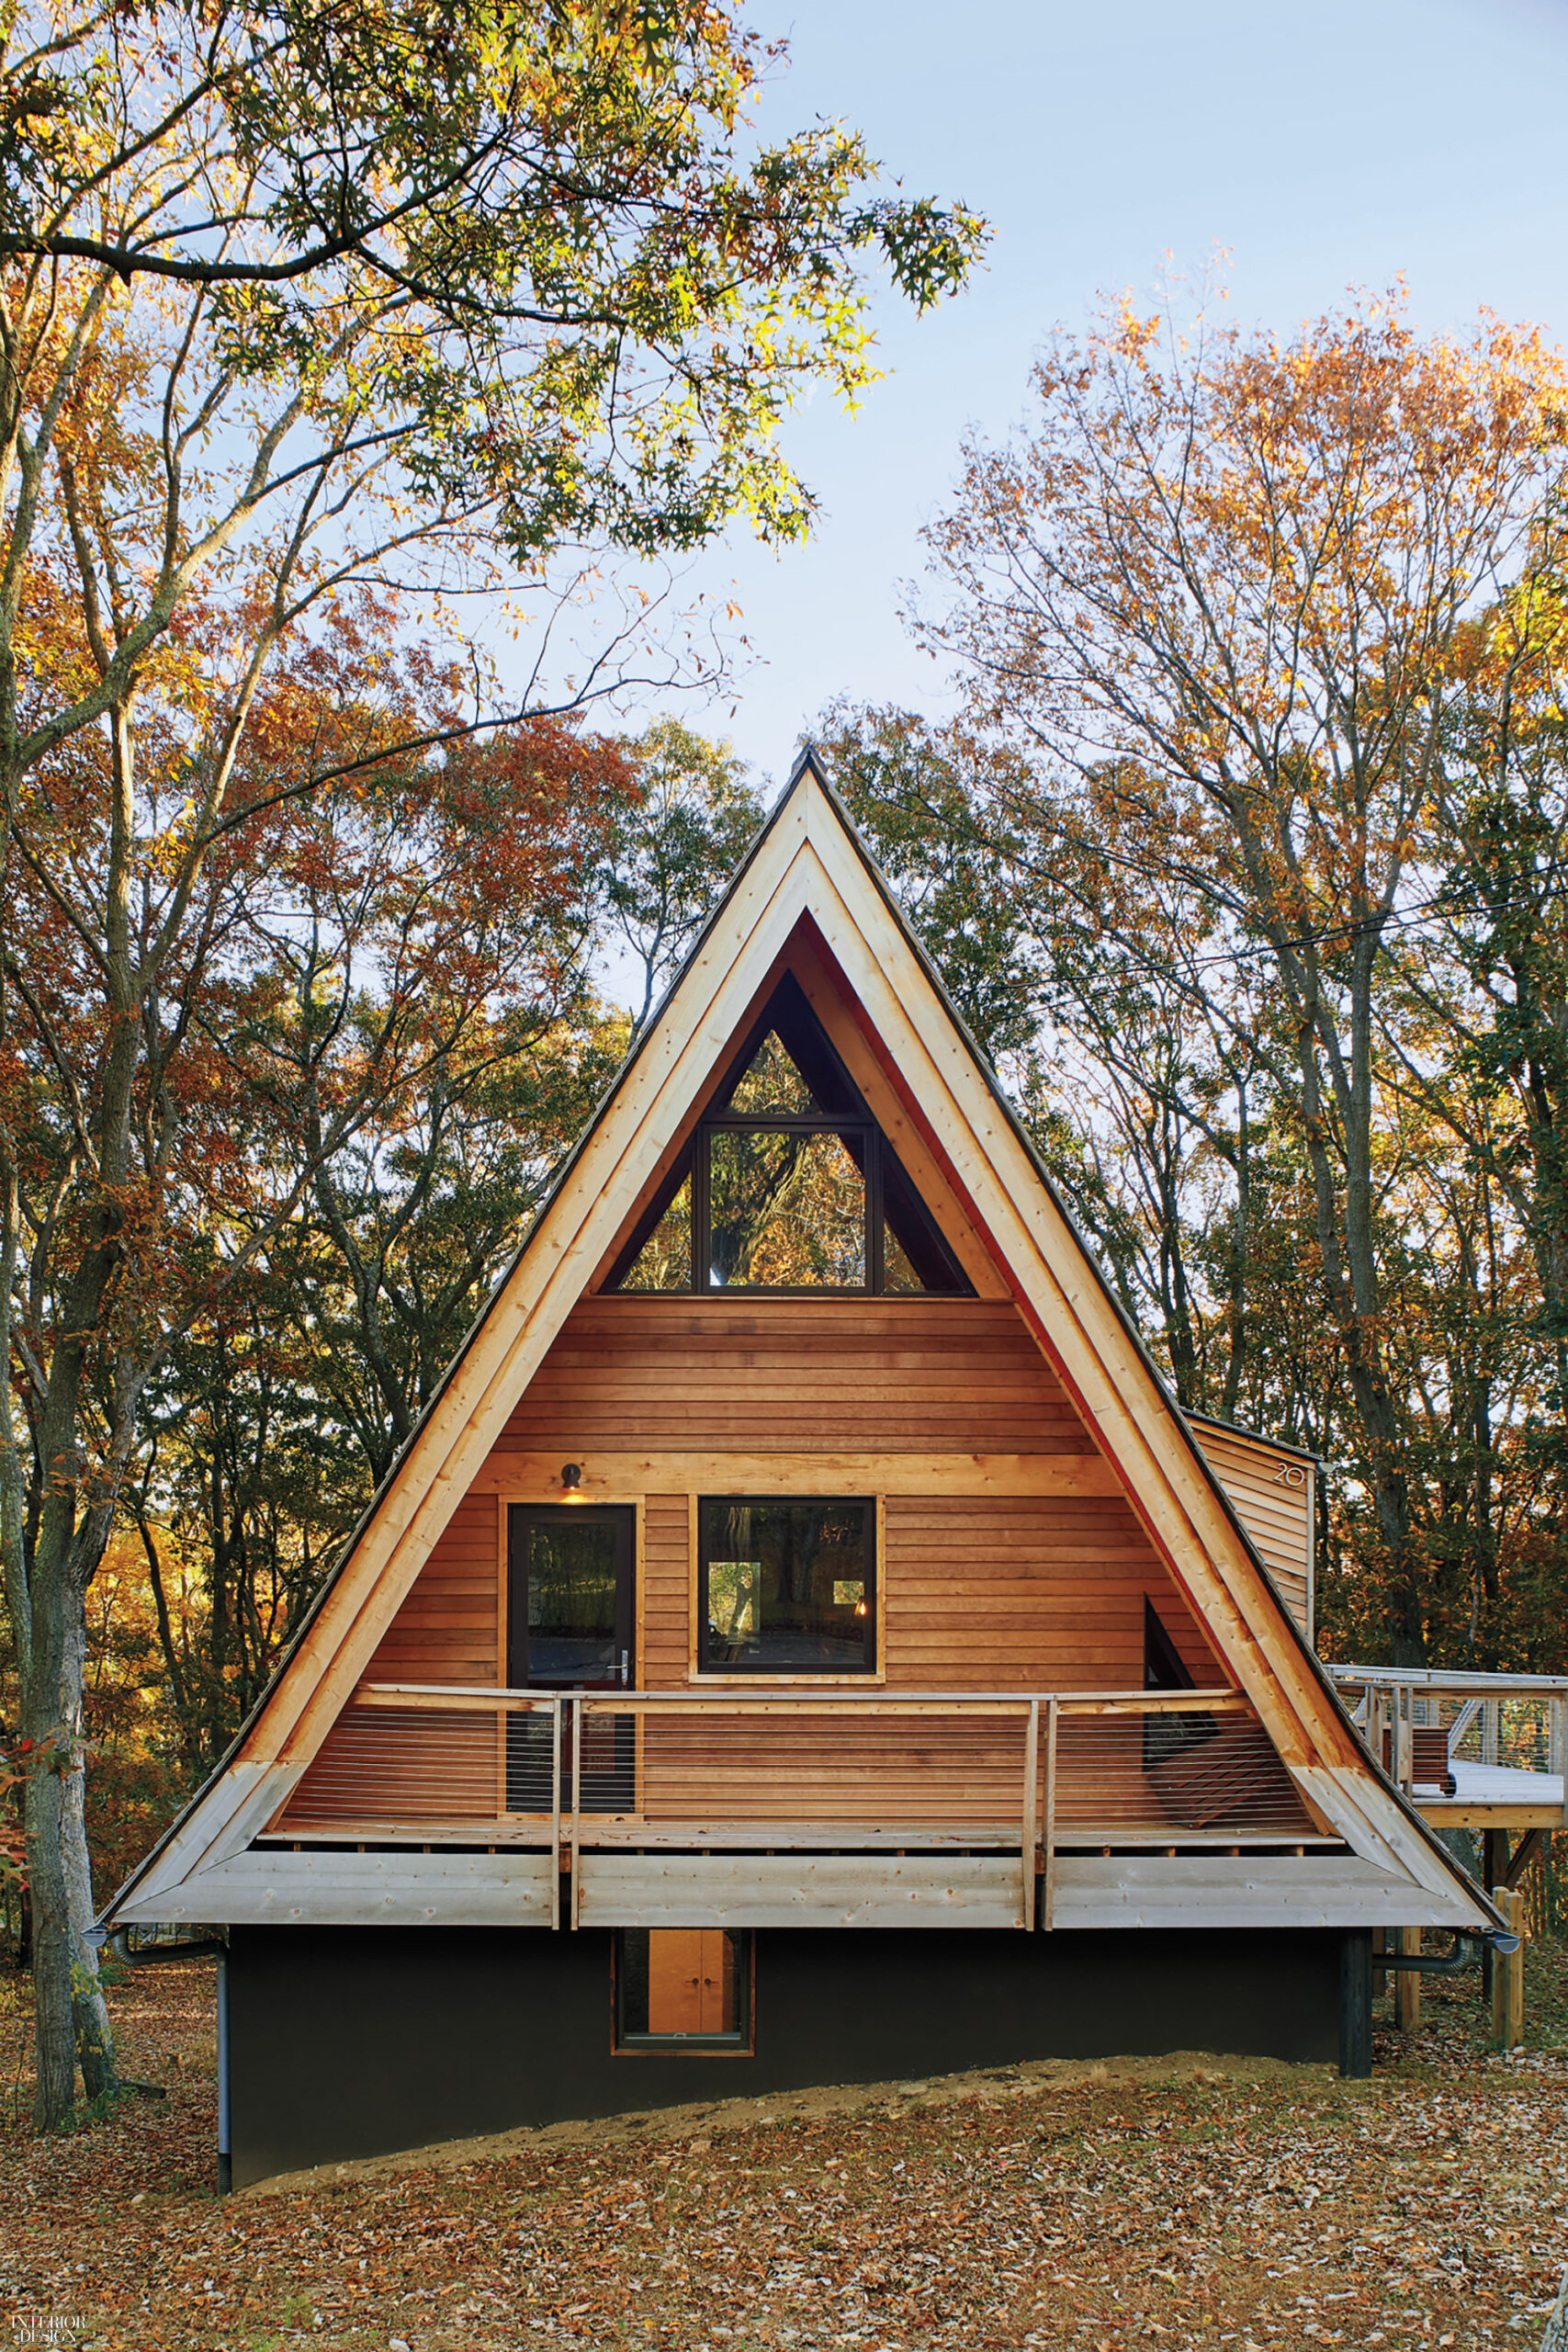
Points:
981	1592
1027	1594
795	1376
666	1592
392	1766
445	1630
860	1770
1276	1510
792	1891
423	1767
276	1887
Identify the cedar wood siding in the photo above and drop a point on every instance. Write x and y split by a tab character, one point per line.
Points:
951	1375
446	1630
990	1593
1001	1593
1276	1510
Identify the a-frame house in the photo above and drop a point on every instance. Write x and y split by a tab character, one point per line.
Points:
803	1641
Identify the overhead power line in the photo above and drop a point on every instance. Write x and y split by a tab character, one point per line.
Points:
1444	901
1396	918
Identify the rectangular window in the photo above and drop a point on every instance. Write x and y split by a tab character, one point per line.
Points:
786	1209
786	1587
682	1988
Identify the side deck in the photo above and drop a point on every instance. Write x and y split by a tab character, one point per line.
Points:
1471	1751
733	1808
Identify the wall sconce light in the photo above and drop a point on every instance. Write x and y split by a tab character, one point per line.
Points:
572	1477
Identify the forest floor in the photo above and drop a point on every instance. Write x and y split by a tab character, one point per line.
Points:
1165	2204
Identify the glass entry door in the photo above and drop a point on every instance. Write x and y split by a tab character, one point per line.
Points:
570	1622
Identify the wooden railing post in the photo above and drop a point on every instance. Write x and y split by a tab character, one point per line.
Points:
576	1706
1031	1798
1404	1766
1050	1827
1407	1985
1509	1974
555	1812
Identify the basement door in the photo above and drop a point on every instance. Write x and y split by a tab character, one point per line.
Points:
572	1613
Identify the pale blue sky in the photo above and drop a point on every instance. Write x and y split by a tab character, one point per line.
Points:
1324	145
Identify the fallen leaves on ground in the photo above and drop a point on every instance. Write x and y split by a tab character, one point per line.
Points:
1248	2208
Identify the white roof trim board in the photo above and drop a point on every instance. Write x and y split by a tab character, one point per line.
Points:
809	863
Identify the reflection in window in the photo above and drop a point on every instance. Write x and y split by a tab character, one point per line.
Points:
914	1255
682	1988
898	1273
1165	1670
572	1592
787	1587
664	1260
771	1085
735	1604
786	1211
787	1184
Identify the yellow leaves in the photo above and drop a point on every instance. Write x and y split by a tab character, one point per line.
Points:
1135	337
1262	528
168	850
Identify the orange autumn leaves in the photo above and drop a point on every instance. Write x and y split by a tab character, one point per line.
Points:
1233	561
304	968
1261	639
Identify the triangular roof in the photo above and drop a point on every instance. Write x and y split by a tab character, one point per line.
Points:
808	867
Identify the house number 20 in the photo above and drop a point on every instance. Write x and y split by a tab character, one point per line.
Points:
1290	1474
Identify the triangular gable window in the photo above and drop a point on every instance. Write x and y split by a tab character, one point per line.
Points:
1166	1670
772	1084
1163	1666
663	1260
788	1183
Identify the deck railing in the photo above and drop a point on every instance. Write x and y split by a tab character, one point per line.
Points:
781	1771
1408	1715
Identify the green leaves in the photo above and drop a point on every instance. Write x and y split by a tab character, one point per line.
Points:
919	795
528	230
930	251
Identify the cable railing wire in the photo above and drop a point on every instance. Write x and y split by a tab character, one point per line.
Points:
792	1768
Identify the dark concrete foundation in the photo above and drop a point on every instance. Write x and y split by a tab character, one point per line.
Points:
353	2041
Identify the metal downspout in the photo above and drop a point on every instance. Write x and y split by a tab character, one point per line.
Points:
1466	1951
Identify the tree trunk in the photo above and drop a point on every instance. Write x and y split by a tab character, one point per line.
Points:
90	2016
73	2022
53	2020
1348	1253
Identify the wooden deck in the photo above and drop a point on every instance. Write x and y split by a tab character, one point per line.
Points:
1496	1796
1507	1736
761	1805
766	1807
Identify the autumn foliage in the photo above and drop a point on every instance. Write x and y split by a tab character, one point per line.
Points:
1261	641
